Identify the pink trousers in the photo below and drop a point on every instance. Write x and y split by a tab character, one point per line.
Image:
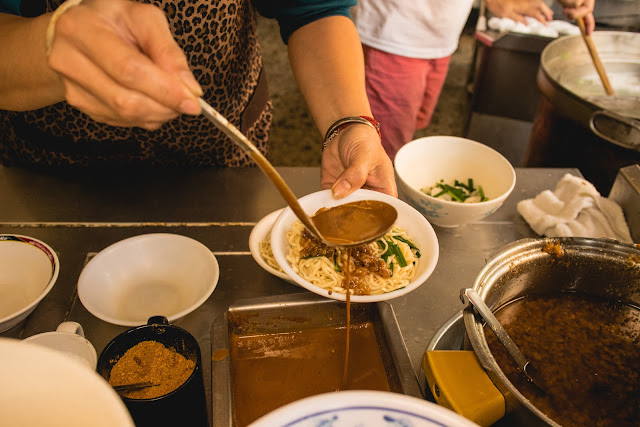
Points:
403	93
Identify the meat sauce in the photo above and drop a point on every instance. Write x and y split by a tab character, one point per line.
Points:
586	351
363	261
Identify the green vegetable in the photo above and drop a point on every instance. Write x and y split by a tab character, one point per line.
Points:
456	193
482	196
393	249
410	244
459	191
336	267
402	262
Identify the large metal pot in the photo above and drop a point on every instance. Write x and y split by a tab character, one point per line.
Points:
568	78
599	267
577	124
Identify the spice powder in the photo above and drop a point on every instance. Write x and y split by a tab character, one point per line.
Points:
151	361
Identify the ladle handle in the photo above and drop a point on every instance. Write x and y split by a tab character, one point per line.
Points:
237	137
595	58
479	304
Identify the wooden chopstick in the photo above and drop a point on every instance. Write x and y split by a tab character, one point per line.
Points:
596	58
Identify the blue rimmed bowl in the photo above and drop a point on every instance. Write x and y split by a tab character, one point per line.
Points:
28	270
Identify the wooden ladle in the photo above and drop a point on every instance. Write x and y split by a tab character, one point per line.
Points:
350	224
595	57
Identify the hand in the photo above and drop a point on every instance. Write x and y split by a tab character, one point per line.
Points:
575	9
355	159
518	9
119	64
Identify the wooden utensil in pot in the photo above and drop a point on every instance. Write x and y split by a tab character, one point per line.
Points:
595	57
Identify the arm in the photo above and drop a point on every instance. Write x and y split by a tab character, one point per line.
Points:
580	9
518	9
26	80
326	59
115	60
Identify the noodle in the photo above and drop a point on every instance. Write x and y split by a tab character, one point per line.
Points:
267	254
327	271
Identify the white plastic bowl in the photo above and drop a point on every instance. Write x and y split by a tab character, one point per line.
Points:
425	161
418	228
158	274
259	233
43	387
28	270
355	408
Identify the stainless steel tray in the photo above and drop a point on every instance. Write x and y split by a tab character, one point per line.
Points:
626	192
297	311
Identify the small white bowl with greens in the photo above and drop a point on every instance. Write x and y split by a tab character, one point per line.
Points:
453	181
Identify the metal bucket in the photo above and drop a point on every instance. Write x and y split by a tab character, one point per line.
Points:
597	267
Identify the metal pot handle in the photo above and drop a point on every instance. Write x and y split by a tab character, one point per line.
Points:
615	128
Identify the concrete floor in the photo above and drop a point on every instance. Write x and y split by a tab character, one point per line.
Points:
295	141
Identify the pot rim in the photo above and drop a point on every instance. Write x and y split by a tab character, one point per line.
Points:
581	109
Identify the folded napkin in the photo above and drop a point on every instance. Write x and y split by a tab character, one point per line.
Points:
551	29
577	209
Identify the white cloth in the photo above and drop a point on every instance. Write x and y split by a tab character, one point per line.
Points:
575	209
425	29
551	29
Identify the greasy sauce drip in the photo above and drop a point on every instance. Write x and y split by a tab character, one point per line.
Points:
364	258
345	374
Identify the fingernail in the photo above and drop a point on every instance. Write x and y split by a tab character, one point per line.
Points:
341	188
191	83
189	106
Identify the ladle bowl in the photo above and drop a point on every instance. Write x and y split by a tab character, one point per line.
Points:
350	224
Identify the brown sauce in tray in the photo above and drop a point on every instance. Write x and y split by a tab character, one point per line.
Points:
271	370
586	351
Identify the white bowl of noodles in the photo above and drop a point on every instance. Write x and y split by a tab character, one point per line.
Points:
412	236
260	246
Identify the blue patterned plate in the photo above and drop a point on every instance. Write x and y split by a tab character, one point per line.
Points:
362	408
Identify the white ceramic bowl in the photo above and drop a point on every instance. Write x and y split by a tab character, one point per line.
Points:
158	274
28	270
417	227
425	161
68	339
259	233
43	387
355	408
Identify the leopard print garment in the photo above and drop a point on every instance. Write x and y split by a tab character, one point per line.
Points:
219	39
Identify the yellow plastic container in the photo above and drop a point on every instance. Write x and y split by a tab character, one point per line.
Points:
458	382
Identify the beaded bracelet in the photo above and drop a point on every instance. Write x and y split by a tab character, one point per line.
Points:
342	123
51	27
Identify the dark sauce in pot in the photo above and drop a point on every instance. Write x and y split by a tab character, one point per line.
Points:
586	350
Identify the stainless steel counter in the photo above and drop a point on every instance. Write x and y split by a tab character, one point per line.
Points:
81	215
